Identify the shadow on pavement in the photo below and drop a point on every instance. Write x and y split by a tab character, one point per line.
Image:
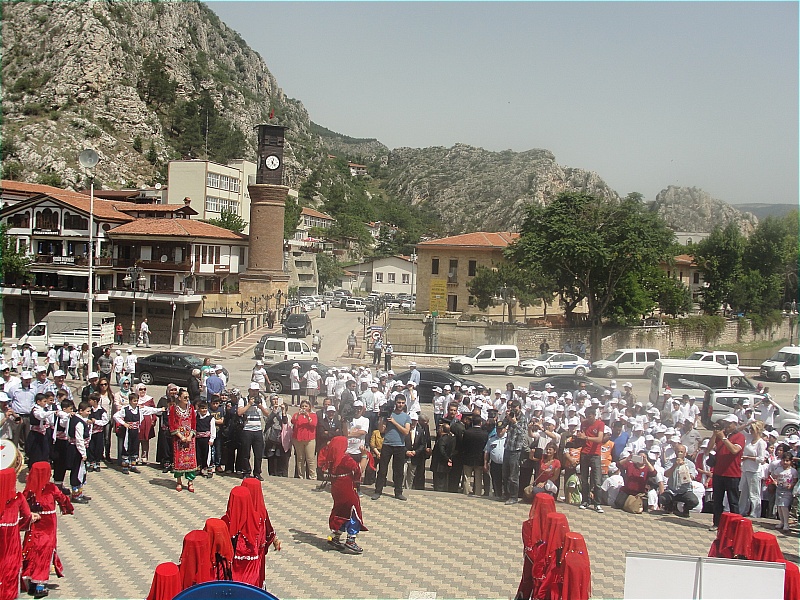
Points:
312	539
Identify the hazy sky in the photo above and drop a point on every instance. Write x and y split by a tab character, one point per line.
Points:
645	94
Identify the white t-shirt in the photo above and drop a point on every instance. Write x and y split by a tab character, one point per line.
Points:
354	443
439	404
784	477
757	448
612	485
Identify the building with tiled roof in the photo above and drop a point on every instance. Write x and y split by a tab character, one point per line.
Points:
446	266
685	269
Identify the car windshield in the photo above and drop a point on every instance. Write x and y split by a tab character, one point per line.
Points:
473	353
697	355
292	319
193	360
614	356
782	357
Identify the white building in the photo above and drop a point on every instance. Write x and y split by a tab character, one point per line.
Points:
390	275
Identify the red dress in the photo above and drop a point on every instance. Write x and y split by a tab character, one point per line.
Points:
147	428
241	522
345	473
14	516
266	533
184	421
39	547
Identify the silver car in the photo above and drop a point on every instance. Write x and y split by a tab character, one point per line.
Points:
718	404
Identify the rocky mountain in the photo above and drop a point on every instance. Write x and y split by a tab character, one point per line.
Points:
693	210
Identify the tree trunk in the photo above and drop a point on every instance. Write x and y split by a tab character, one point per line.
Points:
595	336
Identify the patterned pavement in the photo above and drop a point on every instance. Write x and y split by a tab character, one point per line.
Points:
436	545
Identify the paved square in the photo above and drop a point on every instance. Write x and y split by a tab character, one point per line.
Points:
449	545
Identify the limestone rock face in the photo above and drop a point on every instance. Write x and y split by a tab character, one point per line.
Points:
693	210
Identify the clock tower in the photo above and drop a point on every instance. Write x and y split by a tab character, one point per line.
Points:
265	273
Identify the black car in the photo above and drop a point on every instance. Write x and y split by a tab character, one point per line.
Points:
167	367
279	373
430	378
297	325
569	383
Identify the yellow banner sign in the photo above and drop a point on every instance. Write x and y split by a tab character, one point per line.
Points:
438	295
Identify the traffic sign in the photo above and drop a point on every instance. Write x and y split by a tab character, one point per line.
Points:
438	297
376	335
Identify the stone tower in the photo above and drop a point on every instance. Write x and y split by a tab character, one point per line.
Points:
265	274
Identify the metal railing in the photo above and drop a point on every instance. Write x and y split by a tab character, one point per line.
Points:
428	349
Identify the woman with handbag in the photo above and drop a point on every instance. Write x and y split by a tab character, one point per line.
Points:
277	457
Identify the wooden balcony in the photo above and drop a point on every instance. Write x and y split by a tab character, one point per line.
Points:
154	265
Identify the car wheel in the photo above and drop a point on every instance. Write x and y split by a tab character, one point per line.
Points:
648	373
611	372
275	387
466	370
580	371
784	377
789	430
539	372
146	377
510	371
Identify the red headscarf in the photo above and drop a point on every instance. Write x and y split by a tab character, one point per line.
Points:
38	478
8	486
577	584
555	529
256	490
765	548
220	548
543	505
743	538
239	516
195	559
332	455
166	582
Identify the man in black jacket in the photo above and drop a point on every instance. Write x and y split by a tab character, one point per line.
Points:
415	449
442	462
473	444
329	425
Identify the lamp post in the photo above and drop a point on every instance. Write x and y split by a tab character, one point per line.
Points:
505	298
413	273
88	159
172	324
243	306
134	277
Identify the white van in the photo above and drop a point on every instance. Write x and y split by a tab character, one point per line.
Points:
356	304
490	359
631	362
784	366
721	356
277	349
668	373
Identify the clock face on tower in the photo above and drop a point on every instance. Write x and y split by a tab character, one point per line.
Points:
272	162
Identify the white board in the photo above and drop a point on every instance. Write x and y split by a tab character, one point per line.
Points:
727	579
661	576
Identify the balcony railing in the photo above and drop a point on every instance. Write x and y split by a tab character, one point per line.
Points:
153	265
70	261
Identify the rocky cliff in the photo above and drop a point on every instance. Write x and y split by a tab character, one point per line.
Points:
693	210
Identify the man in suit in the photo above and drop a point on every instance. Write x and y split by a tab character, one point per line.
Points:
473	444
415	449
419	475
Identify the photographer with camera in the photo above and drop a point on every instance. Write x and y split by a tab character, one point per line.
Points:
516	442
251	408
394	425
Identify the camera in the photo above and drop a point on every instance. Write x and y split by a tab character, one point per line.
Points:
719	425
386	409
257	400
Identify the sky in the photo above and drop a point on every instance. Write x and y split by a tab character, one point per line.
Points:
645	94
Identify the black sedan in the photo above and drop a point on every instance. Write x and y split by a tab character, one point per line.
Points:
279	374
569	383
297	325
167	367
430	378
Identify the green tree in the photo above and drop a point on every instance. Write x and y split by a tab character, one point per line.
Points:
589	247
720	258
291	217
329	271
155	85
14	264
229	220
507	279
386	245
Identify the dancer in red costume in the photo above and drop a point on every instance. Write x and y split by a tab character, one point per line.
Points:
575	571
166	582
39	547
555	531
195	564
241	521
345	475
532	534
266	534
219	542
14	516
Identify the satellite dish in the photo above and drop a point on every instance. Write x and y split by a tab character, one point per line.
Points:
164	258
158	186
88	159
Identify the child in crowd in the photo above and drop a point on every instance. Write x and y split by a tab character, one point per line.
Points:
37	444
61	444
785	479
78	432
98	419
218	417
204	440
129	419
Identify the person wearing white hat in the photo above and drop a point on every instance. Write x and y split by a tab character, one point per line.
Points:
294	383
130	362
118	362
16	357
59	383
313	384
22	403
612	485
728	444
259	375
52	358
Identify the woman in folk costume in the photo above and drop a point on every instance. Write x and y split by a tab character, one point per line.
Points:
266	534
195	564
345	475
14	516
241	521
39	547
166	582
532	534
219	543
182	426
147	430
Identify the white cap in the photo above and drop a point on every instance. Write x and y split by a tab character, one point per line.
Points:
613	468
573	421
552	395
559	408
627	384
568	395
358	403
622	402
218	368
374	383
118	352
413	415
330	408
595	402
412	364
548	386
772	433
399	383
792	439
498	391
259	363
59	373
40	368
732	419
668	391
93	375
390	372
670	431
129	350
254	386
457	383
624	454
550	421
314	367
704	444
649	438
606	392
638	426
447	388
675	439
25	375
613	384
746	402
293	365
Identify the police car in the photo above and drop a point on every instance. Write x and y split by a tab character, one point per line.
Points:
554	363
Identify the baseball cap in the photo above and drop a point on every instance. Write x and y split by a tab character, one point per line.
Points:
792	439
613	384
412	364
548	386
41	368
627	384
259	362
330	408
573	421
675	438
25	375
129	350
254	386
358	403
218	368
59	373
731	419
613	468
447	388
375	384
413	415
550	421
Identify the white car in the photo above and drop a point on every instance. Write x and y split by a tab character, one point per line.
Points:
555	363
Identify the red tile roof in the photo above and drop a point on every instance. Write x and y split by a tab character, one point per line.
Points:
684	259
477	239
27	188
176	228
103	209
315	213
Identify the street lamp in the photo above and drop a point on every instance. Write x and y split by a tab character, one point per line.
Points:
413	272
88	160
134	277
506	298
243	306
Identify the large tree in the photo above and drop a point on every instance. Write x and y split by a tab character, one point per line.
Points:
591	246
720	258
520	287
13	263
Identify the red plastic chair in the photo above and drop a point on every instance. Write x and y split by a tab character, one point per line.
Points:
742	538
765	548
166	582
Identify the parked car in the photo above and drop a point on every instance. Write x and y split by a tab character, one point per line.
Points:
297	325
279	373
628	362
569	383
166	367
718	404
721	356
430	378
784	366
354	304
338	301
490	358
276	349
552	363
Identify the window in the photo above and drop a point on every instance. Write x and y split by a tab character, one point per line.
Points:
390	277
207	255
294	346
696	278
75	222
22	220
212	180
47	219
485	355
653	356
378	277
214	204
473	268
452	303
452	271
471	300
626	358
641	357
406	278
434	266
505	353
